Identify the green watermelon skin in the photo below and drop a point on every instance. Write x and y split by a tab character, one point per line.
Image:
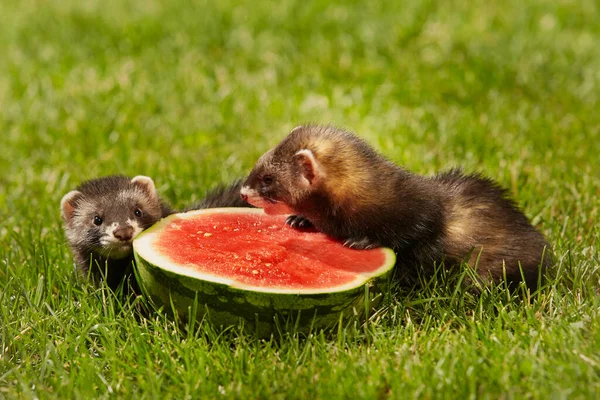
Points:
260	312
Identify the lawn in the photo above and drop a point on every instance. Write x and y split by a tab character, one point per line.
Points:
192	93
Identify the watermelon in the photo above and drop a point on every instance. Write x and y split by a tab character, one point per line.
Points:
241	264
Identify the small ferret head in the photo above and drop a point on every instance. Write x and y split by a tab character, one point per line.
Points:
104	215
285	176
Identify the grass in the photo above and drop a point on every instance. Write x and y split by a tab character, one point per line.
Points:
192	93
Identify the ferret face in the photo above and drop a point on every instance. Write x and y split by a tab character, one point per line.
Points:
108	227
282	179
107	221
268	186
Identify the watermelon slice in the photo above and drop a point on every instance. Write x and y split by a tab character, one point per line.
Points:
241	263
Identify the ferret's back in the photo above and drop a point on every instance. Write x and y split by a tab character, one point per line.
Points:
483	219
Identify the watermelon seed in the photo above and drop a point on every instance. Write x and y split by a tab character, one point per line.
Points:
207	234
254	272
268	264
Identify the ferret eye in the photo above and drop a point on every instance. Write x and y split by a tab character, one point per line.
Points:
97	220
267	179
137	212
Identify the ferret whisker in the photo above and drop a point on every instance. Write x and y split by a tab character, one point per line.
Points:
273	201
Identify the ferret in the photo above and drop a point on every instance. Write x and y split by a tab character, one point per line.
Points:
333	180
103	216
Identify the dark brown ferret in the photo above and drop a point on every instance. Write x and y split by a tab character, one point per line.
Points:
335	181
103	216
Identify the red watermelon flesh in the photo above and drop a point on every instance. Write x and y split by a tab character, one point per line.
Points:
263	252
240	264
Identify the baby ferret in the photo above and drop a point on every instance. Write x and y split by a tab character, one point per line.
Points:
335	181
103	216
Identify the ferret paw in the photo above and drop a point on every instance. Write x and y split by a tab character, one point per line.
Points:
298	222
360	244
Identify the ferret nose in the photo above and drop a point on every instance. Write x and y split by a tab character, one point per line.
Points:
244	197
124	233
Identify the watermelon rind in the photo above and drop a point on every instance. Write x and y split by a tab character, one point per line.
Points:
225	302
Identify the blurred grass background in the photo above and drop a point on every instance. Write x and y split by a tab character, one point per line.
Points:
192	93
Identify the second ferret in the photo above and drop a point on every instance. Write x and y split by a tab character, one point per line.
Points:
332	179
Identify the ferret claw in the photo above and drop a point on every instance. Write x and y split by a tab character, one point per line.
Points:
360	244
298	222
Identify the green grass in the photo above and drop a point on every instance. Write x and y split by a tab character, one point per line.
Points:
193	94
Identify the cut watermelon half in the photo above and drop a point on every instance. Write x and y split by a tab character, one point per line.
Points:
240	263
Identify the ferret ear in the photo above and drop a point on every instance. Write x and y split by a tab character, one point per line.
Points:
146	184
308	166
297	128
68	204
